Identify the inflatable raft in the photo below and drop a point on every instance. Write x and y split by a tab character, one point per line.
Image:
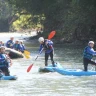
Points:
50	68
13	54
74	72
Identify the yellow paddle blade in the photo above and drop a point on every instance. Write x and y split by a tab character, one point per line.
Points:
27	56
26	52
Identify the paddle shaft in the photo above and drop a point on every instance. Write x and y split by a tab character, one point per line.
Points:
39	53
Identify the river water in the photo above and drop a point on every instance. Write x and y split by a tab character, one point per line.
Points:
48	84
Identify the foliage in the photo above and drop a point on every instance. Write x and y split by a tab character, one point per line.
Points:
72	19
6	14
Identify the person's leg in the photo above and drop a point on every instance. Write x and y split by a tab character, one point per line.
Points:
85	63
46	59
6	71
51	56
93	63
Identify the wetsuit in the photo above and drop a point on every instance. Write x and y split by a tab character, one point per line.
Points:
87	57
48	51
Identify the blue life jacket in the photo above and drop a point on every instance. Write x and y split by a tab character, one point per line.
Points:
1	45
16	47
48	48
9	44
3	62
21	47
87	53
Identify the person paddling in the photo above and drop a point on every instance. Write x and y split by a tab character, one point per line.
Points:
21	46
46	45
88	55
16	45
1	43
4	61
10	43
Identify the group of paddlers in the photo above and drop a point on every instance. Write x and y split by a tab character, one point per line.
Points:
5	61
18	45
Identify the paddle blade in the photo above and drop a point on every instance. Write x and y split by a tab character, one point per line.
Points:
51	35
29	68
27	54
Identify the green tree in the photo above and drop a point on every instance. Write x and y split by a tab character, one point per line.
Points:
6	15
72	19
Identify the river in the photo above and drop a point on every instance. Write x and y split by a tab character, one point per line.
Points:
48	84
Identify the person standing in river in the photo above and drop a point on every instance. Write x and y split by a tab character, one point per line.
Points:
88	55
5	61
46	45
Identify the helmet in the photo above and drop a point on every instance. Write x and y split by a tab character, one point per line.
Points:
41	39
16	40
92	42
21	41
11	37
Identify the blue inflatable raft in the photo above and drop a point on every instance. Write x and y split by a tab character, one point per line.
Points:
74	72
50	68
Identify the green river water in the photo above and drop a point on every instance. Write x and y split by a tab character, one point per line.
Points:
48	84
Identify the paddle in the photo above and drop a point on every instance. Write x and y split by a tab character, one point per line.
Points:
27	54
50	36
29	68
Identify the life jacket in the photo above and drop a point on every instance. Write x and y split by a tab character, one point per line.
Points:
86	54
3	62
48	46
16	46
22	47
9	44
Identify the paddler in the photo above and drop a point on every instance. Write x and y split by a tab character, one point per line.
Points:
88	55
16	46
46	45
10	43
4	61
1	43
21	46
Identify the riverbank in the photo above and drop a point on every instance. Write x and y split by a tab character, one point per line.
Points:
57	41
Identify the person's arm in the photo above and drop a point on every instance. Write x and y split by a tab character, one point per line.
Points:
40	48
9	60
91	51
2	59
24	47
7	44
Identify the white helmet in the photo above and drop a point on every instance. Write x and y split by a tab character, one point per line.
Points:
41	39
21	41
92	42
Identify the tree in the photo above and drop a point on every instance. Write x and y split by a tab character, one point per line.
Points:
6	15
72	19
